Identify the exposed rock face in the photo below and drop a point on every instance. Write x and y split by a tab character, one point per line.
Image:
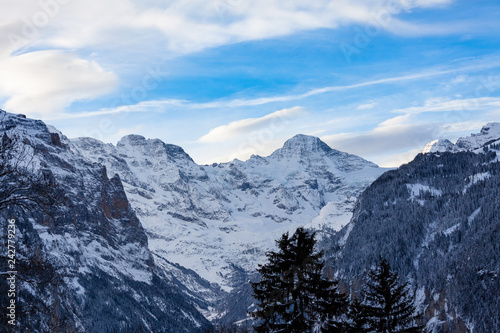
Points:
109	280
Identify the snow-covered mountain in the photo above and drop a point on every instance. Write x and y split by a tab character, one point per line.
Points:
104	277
439	145
167	243
437	221
220	219
489	134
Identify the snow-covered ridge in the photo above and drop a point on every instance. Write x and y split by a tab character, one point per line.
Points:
489	134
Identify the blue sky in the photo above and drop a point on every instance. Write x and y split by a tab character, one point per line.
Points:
226	79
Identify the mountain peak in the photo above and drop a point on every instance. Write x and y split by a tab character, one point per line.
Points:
491	129
315	153
151	147
439	145
489	134
131	139
301	143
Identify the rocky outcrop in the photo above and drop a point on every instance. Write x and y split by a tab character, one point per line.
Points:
107	278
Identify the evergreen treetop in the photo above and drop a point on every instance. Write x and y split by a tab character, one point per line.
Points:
293	295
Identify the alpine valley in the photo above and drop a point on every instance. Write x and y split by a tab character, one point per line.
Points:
150	241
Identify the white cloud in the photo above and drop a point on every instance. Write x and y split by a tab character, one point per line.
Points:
389	137
145	106
186	26
472	126
395	160
366	106
139	32
45	82
399	139
273	122
459	79
196	24
430	3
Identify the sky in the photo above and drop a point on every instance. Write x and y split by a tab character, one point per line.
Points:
226	79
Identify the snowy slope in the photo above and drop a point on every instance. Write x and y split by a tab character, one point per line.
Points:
219	220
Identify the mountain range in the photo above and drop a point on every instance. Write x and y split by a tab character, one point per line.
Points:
173	243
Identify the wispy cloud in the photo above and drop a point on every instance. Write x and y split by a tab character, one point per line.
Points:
477	64
432	105
382	141
366	106
445	105
159	106
399	139
246	126
186	26
389	137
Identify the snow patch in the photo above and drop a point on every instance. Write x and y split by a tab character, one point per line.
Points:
417	192
420	298
472	216
451	230
474	179
434	325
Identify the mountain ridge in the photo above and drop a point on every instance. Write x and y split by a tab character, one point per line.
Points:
236	203
490	133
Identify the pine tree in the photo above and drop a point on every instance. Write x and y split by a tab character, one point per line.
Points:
358	320
293	295
387	303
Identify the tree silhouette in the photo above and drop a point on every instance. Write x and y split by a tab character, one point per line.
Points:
388	306
358	319
293	295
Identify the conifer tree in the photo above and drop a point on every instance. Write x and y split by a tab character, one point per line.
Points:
387	304
293	295
358	320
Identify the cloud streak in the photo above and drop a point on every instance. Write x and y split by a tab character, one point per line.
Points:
445	105
431	105
423	74
243	127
